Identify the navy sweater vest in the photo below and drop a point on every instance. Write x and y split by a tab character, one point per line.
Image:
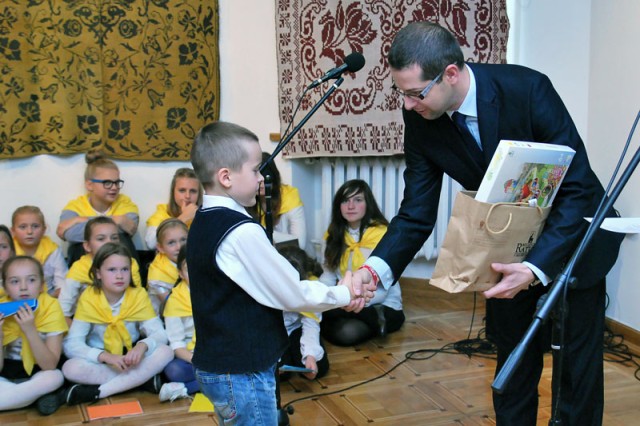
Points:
234	333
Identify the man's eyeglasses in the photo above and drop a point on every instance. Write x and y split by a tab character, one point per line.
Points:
424	92
108	184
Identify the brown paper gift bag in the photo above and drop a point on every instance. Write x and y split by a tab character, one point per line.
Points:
479	234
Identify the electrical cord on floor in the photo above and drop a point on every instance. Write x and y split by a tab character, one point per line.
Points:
478	346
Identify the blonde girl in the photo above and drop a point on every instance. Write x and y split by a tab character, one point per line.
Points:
105	345
31	340
103	198
185	196
99	231
163	271
28	228
178	321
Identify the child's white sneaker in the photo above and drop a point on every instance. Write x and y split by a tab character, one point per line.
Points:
172	391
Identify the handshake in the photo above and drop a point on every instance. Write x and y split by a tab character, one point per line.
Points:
361	286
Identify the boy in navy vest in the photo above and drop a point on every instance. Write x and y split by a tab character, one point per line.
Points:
240	284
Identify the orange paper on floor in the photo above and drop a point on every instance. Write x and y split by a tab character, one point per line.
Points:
114	410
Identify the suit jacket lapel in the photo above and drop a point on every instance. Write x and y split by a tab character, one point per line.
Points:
488	114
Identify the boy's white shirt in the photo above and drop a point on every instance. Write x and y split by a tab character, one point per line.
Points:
247	257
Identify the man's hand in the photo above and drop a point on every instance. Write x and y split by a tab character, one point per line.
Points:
361	285
515	278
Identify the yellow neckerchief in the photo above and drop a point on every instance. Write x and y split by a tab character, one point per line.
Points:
179	302
372	235
120	206
93	307
48	319
192	343
79	271
163	269
161	214
44	250
289	200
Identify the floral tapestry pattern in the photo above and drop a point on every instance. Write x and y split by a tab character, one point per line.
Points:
363	116
136	78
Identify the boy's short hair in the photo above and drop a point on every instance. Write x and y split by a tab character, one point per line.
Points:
216	146
27	209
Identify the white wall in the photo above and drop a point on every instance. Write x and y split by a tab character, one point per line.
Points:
587	49
249	96
614	103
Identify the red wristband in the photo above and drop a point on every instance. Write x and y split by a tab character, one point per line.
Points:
373	273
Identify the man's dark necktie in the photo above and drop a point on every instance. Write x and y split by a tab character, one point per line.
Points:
469	141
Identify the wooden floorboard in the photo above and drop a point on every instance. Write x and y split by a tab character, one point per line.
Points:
446	389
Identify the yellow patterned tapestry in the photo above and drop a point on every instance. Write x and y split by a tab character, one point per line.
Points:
136	78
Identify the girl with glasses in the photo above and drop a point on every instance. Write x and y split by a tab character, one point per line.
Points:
103	198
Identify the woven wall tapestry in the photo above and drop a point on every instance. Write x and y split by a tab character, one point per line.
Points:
363	116
136	78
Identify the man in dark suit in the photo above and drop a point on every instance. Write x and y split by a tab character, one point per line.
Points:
455	114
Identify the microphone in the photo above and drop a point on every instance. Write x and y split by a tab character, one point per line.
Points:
352	63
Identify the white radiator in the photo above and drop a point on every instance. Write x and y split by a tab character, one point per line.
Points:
385	177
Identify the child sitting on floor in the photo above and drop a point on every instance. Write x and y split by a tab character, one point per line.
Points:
305	348
28	228
7	250
103	198
31	340
185	196
163	271
178	321
105	345
99	231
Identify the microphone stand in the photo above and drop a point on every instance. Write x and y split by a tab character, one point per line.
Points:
283	415
558	287
285	141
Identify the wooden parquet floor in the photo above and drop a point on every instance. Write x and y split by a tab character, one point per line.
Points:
447	389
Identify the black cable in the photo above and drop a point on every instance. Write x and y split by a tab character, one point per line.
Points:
479	347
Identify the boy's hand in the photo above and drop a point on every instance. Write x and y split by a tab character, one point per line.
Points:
358	299
311	364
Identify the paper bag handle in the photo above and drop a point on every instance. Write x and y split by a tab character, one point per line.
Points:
486	220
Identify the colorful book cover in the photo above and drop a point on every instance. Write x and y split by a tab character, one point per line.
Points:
521	171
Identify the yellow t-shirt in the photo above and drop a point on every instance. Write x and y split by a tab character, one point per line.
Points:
121	206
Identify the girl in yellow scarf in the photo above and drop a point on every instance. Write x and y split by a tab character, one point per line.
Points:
163	271
178	321
357	225
31	340
104	346
7	250
185	196
28	228
99	231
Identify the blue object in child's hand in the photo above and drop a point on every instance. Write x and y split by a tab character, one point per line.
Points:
287	368
11	308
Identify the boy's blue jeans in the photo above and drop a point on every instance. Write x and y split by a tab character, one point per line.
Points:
242	399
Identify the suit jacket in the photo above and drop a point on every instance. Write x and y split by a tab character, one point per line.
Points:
515	103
